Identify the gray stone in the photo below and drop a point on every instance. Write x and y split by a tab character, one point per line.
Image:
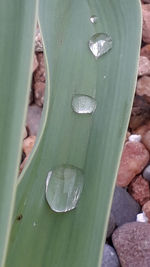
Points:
146	1
146	173
110	258
132	244
124	207
33	119
111	225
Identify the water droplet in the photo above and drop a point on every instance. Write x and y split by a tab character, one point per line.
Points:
83	104
94	19
100	43
34	224
63	188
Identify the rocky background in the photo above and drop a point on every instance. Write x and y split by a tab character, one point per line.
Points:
128	233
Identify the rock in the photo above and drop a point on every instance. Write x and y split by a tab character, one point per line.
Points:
132	243
38	41
22	165
139	190
141	217
31	97
134	138
39	89
146	140
143	88
134	158
111	225
110	258
146	1
146	173
142	129
39	75
146	209
140	113
28	144
146	23
127	135
144	66
145	51
124	207
25	133
35	63
33	119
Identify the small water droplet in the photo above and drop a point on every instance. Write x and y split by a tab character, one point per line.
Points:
83	104
100	44
34	224
94	19
104	76
63	188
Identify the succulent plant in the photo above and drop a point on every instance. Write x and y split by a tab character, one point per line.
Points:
56	213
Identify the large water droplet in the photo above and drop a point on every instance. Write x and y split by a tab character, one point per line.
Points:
83	104
100	43
63	188
94	19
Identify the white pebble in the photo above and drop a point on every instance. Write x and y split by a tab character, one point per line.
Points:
135	138
141	217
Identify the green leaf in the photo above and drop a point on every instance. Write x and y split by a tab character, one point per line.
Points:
92	143
16	30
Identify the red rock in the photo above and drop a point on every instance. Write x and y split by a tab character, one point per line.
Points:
134	158
38	41
144	66
140	113
28	144
25	133
33	119
127	135
39	89
35	63
132	243
145	51
146	209
31	97
146	23
22	165
146	1
139	190
39	74
146	140
143	88
142	129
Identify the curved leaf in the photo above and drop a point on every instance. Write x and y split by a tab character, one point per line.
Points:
92	143
17	19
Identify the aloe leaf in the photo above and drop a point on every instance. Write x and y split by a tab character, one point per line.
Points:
90	142
16	30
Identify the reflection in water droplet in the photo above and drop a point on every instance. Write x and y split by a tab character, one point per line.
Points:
100	43
83	104
63	188
94	19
